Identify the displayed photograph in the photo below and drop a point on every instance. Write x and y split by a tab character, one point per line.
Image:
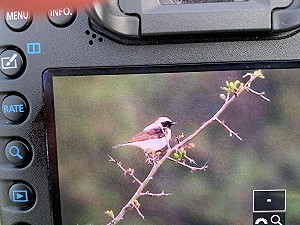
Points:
181	148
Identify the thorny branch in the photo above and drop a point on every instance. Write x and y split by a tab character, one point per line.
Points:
148	193
232	94
231	132
129	171
190	160
137	208
192	168
261	94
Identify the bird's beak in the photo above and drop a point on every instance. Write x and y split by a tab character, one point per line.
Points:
173	123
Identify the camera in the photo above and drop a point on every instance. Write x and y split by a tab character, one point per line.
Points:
89	99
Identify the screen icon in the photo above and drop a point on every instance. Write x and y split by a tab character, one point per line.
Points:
269	200
34	48
269	218
261	221
275	219
9	62
269	207
14	151
20	196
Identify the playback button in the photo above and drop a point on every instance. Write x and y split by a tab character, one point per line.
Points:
12	63
17	153
21	195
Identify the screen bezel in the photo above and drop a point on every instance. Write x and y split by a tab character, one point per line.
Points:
96	71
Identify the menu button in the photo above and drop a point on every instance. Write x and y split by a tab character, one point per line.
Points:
18	20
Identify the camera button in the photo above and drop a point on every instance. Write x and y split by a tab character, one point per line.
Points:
62	17
14	108
18	20
12	63
18	153
21	195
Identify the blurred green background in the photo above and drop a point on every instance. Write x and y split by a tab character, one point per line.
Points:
94	113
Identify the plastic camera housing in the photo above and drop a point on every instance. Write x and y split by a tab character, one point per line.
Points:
120	37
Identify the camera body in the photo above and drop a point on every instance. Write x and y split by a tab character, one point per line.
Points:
120	37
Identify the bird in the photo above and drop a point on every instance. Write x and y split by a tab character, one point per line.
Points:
154	137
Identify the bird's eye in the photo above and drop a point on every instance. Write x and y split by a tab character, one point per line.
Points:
166	124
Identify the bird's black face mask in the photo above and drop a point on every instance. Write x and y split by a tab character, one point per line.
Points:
168	124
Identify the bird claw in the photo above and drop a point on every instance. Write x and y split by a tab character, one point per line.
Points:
152	157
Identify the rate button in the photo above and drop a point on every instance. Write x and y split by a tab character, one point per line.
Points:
14	108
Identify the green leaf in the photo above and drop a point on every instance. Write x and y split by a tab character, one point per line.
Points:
236	83
176	155
225	89
110	213
231	87
258	73
222	96
136	203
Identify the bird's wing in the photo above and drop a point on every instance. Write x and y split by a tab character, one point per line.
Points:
153	133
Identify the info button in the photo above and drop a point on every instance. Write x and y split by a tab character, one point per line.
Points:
14	108
62	17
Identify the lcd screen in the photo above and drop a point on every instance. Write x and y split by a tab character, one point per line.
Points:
255	180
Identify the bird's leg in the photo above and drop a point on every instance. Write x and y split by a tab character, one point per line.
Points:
149	159
152	156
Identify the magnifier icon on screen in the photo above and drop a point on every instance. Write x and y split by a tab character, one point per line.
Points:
15	152
275	219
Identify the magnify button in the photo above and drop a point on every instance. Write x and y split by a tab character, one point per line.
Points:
17	153
14	151
275	219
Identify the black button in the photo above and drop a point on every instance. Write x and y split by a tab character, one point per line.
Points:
11	63
18	153
18	20
14	108
21	195
62	17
